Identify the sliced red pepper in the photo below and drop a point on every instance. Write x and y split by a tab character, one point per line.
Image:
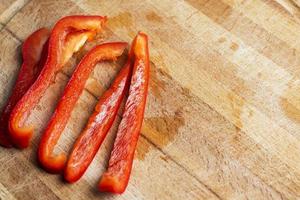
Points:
115	179
67	36
91	138
34	52
55	163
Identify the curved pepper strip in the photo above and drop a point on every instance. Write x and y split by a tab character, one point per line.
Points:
115	179
91	138
62	44
34	52
55	163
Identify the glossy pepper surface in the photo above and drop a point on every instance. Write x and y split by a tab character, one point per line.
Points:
67	36
116	178
91	138
34	53
55	163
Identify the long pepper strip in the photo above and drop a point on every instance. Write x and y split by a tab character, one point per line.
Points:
61	47
55	163
91	138
34	52
116	178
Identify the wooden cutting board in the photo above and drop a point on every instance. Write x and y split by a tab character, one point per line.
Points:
223	112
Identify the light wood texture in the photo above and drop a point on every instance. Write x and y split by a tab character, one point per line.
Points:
223	111
9	8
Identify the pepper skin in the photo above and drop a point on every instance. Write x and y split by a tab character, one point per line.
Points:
116	178
56	163
34	52
62	44
91	138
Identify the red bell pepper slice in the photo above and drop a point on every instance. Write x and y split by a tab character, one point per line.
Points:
55	163
62	44
34	52
91	138
116	178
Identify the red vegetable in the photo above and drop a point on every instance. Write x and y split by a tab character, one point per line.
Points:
34	53
55	163
67	36
99	123
115	179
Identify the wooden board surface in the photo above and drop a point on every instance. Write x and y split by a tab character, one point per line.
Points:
223	112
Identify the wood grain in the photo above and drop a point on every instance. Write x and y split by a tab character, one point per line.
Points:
223	111
9	8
